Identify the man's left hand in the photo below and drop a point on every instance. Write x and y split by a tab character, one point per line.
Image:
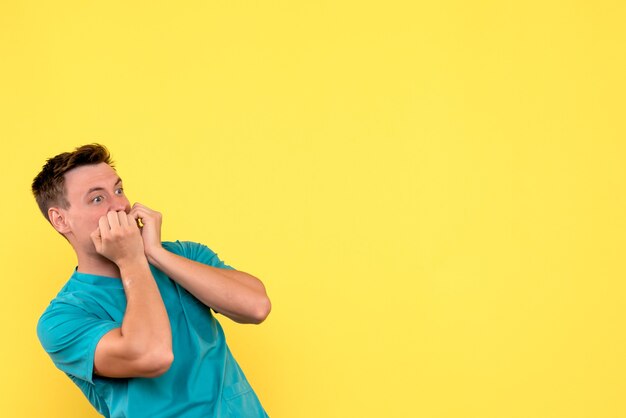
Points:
151	230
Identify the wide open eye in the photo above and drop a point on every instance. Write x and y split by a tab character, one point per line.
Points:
97	199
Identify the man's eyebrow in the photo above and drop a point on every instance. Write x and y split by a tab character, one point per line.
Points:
95	189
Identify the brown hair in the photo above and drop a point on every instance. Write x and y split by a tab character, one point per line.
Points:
49	185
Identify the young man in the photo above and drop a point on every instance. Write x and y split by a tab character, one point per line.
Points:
133	326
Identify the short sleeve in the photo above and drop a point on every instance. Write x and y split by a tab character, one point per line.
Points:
69	335
202	254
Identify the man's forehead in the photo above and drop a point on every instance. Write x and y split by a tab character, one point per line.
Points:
88	176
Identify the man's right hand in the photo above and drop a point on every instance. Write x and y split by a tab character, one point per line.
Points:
118	238
142	345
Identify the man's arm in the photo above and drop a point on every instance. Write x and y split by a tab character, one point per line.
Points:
142	346
235	294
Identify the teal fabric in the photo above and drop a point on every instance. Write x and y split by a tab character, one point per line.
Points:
204	379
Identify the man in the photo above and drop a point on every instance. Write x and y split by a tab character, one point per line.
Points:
133	326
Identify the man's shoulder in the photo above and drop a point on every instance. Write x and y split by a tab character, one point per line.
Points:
181	244
74	296
63	306
64	295
76	307
66	299
188	249
197	252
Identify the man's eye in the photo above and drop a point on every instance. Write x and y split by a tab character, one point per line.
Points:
119	191
97	199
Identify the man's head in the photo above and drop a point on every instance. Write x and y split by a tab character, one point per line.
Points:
74	189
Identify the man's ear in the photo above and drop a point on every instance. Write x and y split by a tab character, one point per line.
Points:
58	220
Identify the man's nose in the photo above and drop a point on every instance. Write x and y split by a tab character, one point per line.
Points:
121	204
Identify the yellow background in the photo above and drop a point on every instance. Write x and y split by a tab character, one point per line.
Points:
432	192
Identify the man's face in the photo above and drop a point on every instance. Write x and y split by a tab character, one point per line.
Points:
92	191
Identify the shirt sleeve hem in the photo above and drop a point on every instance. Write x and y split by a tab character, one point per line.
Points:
92	349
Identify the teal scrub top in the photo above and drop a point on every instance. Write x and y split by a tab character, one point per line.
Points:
204	379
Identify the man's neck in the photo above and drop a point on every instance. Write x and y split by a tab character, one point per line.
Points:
98	265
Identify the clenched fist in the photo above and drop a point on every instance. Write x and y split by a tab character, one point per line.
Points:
151	229
118	238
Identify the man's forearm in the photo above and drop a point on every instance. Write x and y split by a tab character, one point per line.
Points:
238	295
146	326
244	278
142	346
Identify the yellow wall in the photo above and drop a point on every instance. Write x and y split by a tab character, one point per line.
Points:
432	193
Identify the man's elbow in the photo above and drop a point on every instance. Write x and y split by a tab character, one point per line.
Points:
157	364
262	311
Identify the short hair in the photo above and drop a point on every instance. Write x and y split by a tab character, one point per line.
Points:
49	185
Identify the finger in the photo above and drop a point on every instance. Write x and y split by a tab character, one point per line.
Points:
114	221
96	238
139	206
95	235
136	217
123	218
104	228
131	221
141	214
134	212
